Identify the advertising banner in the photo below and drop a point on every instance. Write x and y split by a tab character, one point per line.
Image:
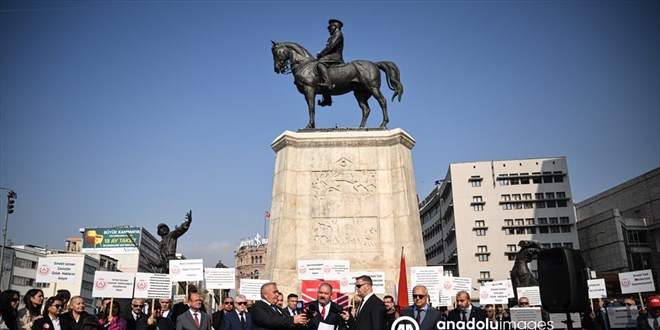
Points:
111	240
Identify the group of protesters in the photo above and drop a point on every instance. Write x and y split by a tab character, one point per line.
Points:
366	311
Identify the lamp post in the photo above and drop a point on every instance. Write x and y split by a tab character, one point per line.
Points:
11	196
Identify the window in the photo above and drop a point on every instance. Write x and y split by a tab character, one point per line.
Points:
89	269
568	245
531	230
24	263
478	207
561	194
480	223
512	256
508	222
556	245
524	178
503	182
543	230
483	257
516	197
477	199
528	205
481	232
537	177
482	248
529	221
506	197
543	221
545	245
527	196
506	206
538	196
547	179
509	231
520	222
636	237
520	231
475	183
554	230
559	177
554	220
563	220
511	248
484	275
87	285
22	281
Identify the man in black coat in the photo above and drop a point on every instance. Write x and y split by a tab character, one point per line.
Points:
325	310
137	306
426	316
218	317
466	312
371	313
266	315
156	320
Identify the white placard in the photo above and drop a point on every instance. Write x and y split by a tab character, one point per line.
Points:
559	319
623	316
220	278
346	282
187	270
251	288
597	288
463	284
113	284
525	314
493	295
148	285
428	277
334	268
504	283
451	285
59	270
637	281
532	293
310	269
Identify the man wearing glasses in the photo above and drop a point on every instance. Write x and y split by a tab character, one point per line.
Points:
371	313
523	302
219	316
426	316
266	315
240	319
137	305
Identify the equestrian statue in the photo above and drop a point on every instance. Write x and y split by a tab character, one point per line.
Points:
328	75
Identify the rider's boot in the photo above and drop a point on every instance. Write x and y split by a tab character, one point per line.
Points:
325	80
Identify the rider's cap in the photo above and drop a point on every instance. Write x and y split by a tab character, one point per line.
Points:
331	21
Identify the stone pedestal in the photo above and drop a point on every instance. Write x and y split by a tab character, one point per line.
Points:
343	194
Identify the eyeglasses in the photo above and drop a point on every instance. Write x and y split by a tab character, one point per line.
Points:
357	286
138	306
241	303
58	306
523	303
15	299
418	296
228	302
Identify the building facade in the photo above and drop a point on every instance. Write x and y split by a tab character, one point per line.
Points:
619	229
473	219
251	256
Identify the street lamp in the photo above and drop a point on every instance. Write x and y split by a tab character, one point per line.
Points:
11	196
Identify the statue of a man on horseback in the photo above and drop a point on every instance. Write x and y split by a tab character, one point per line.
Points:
332	54
327	74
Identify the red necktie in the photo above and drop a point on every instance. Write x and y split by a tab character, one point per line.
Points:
323	312
196	320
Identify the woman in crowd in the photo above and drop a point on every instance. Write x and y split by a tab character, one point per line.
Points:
9	300
111	319
78	318
33	300
51	319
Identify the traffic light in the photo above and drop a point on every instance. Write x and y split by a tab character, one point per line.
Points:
11	196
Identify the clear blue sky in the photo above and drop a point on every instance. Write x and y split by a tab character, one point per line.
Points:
121	112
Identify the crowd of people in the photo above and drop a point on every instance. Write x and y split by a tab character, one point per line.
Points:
366	311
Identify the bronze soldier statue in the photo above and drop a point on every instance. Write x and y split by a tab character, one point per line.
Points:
332	54
167	245
521	275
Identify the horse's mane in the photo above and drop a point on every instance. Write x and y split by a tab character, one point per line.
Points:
298	48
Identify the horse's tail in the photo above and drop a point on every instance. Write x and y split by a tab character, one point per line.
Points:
393	77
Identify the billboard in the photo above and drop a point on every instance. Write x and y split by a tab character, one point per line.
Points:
124	240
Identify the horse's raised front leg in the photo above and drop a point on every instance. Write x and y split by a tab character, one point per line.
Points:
309	97
383	105
362	97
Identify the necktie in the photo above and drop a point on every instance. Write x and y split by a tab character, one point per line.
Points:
196	319
656	326
277	310
323	312
242	320
419	315
463	312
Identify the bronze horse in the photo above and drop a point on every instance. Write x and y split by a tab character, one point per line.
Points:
361	77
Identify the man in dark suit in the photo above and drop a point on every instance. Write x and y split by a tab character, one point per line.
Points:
291	304
180	307
218	317
156	320
465	311
426	316
371	313
325	310
266	315
166	309
137	305
195	318
239	319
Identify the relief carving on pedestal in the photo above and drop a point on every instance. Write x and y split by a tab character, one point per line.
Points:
344	191
346	234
